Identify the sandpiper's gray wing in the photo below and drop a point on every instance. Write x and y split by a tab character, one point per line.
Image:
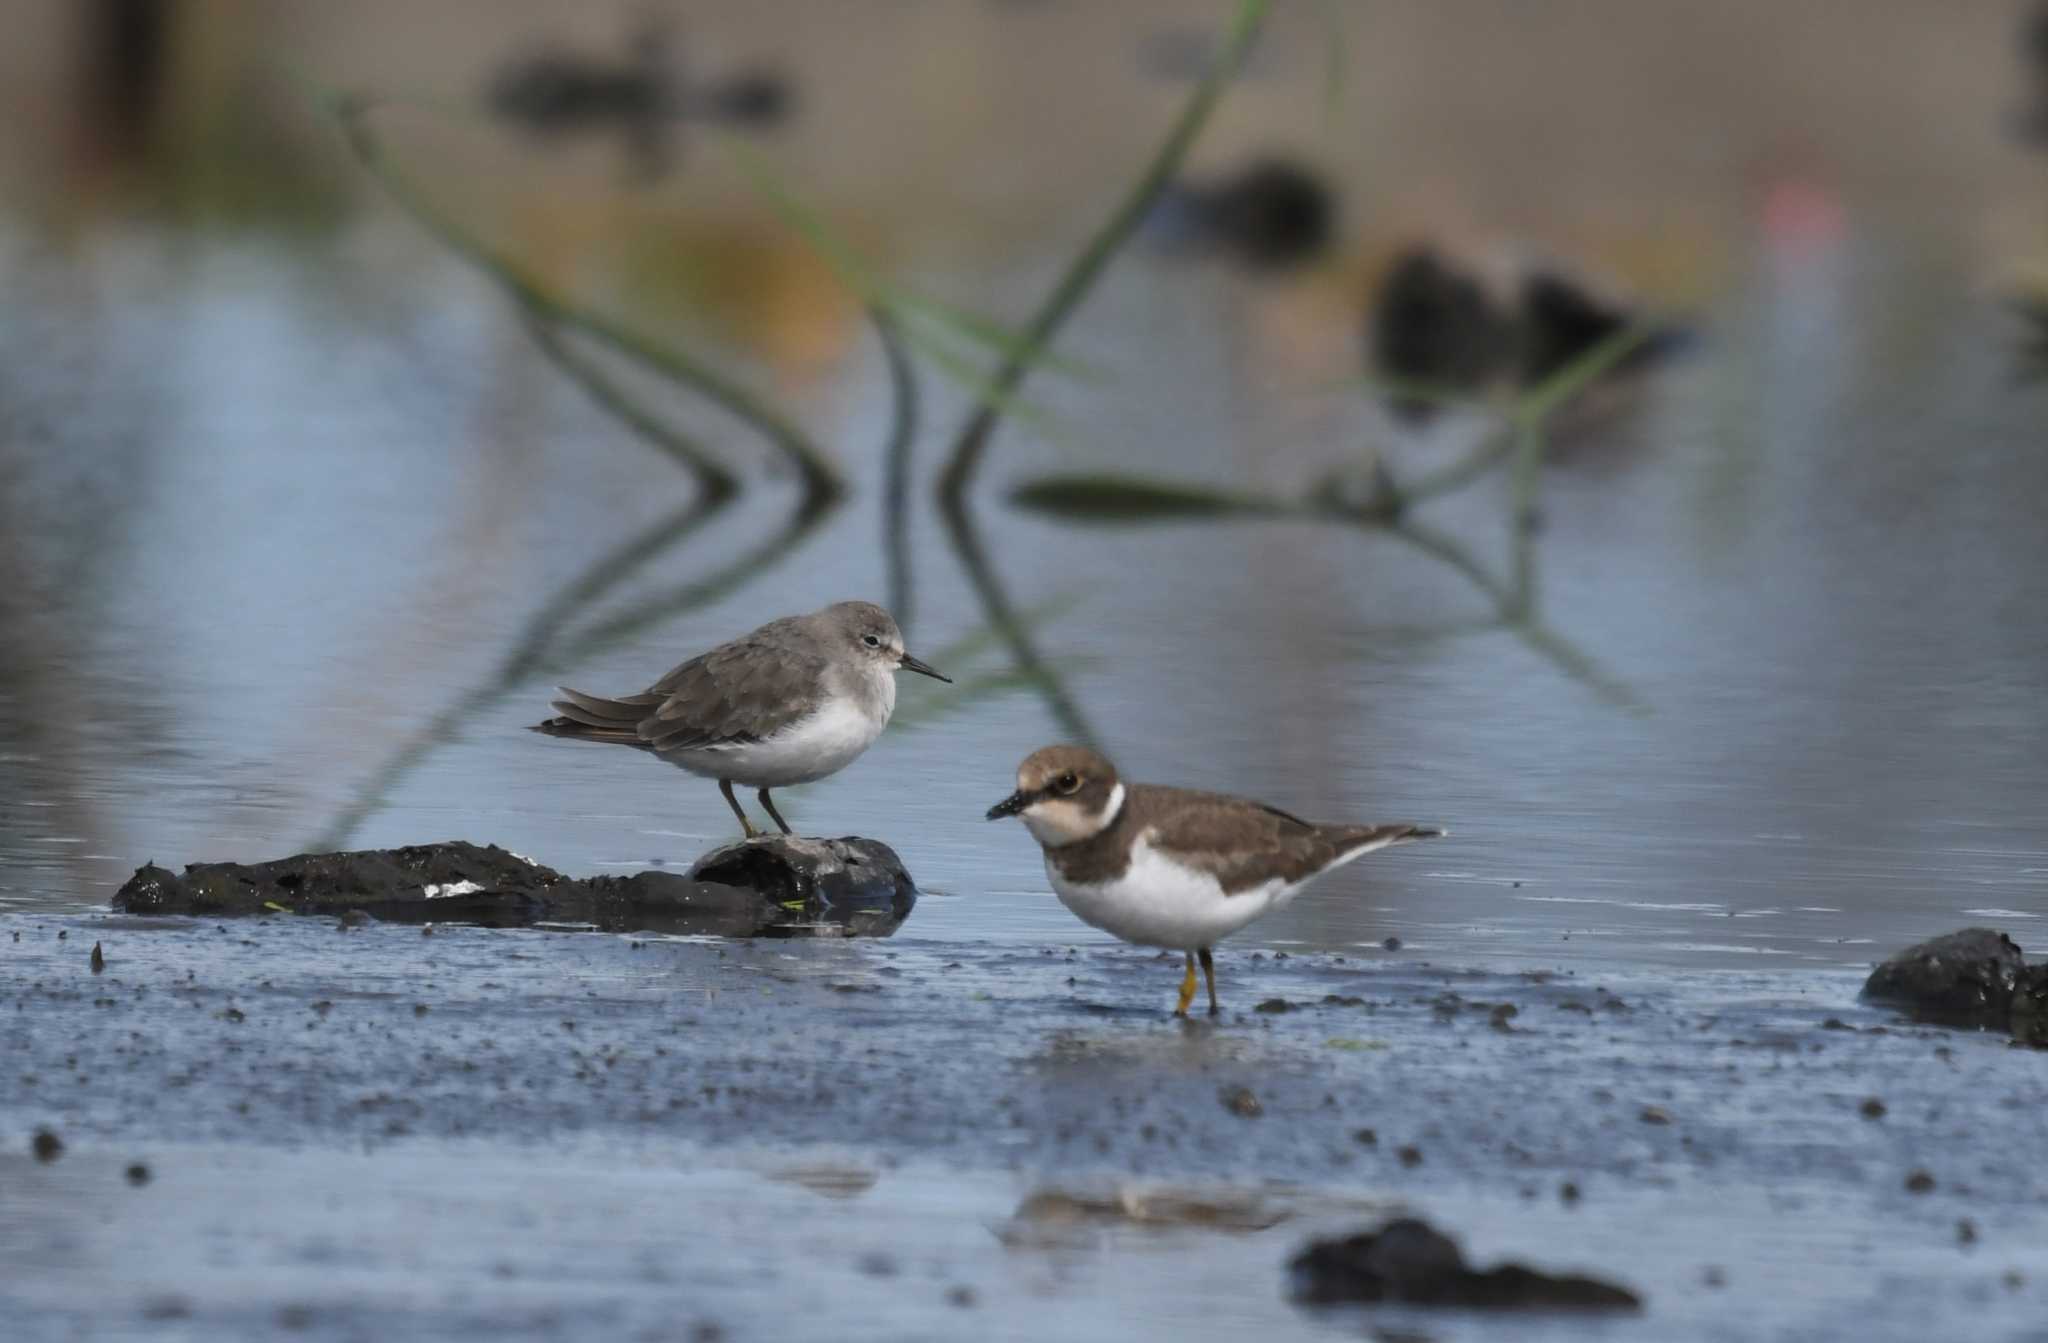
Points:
1245	843
739	692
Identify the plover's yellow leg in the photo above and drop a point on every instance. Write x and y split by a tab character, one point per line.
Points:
776	814
1209	974
725	786
1187	988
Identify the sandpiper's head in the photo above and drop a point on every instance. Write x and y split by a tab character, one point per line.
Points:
869	633
1065	794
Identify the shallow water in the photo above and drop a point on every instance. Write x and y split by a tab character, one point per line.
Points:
282	484
520	1134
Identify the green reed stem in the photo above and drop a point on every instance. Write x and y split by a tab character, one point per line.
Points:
972	444
818	474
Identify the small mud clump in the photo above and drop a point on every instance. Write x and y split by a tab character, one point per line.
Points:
1920	1182
46	1145
1409	1262
137	1174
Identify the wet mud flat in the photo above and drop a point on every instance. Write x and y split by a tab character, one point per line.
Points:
261	1126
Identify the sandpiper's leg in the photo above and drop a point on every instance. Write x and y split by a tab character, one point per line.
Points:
776	814
1209	974
725	786
1187	988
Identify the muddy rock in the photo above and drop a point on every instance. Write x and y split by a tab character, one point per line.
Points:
1977	977
857	886
1409	1262
773	886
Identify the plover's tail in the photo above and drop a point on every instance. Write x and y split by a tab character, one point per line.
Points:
1351	841
595	718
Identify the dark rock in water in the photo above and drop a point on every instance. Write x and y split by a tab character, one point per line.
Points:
2029	1021
752	98
858	886
642	95
2031	121
551	92
1435	326
1562	323
779	885
1409	1262
1976	977
2033	314
1269	215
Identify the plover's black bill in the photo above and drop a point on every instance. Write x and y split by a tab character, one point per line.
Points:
1011	805
910	663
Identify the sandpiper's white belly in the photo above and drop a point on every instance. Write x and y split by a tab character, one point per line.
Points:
809	749
1160	903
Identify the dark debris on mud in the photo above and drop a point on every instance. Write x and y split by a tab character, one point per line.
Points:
1978	977
776	885
1409	1262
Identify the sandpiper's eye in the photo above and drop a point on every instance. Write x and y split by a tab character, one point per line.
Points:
871	641
1067	783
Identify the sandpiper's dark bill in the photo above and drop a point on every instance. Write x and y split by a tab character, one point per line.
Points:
1170	867
796	700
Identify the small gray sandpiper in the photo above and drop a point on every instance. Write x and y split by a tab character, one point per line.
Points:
1170	867
796	700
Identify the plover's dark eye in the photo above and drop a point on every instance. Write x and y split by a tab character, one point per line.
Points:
871	641
1067	783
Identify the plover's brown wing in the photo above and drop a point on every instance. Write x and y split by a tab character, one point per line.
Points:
1349	838
739	692
1245	843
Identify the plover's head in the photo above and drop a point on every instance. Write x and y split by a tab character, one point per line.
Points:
869	633
1065	794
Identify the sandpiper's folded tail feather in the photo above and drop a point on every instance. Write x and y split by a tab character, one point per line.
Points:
595	718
